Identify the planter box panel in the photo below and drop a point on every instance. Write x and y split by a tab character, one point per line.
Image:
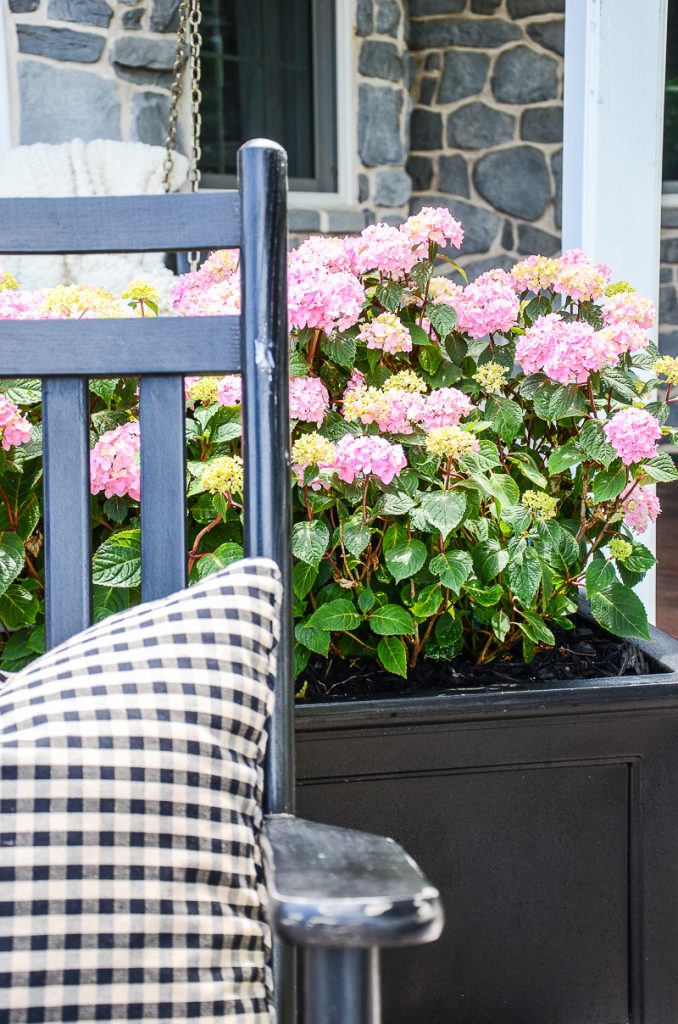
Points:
549	820
526	890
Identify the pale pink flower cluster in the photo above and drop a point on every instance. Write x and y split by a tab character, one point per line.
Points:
309	399
322	299
580	279
326	251
445	408
14	428
629	307
567	352
220	265
571	274
640	509
356	380
229	390
386	332
114	463
633	433
432	224
202	296
441	289
20	305
487	305
383	248
625	337
357	456
394	411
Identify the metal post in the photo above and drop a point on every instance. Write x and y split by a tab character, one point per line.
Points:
341	986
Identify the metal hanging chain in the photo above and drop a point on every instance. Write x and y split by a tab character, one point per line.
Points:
189	46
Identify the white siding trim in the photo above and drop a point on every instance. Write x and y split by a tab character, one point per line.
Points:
613	122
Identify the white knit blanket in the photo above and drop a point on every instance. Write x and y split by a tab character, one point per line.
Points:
99	168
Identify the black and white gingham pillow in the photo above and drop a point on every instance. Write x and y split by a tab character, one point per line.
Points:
130	793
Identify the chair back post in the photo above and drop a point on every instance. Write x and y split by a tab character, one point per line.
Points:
262	174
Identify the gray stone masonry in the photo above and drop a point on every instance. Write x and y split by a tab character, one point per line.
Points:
92	68
491	71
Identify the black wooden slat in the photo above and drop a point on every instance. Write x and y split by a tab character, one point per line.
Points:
163	486
262	176
115	348
207	220
67	507
265	362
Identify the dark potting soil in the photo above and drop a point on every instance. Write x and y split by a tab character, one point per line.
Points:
585	652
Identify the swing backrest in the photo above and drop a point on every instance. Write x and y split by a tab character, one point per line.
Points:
65	353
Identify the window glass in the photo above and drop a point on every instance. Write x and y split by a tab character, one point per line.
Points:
268	71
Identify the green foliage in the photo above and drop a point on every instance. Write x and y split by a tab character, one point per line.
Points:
451	557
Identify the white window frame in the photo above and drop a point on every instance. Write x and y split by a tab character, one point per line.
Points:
345	196
613	129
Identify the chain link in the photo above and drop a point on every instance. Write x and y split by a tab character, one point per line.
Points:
189	46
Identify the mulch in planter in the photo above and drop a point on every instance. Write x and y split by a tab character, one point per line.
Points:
585	652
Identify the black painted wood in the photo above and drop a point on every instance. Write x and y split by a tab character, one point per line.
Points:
68	590
162	410
116	348
334	887
262	172
164	223
547	816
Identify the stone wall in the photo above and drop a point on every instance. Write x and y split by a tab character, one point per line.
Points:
486	127
90	68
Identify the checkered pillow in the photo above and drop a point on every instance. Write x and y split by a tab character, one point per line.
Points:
130	793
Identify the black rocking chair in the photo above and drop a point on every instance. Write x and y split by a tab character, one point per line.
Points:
337	894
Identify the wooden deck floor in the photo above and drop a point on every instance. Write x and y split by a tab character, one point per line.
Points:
667	553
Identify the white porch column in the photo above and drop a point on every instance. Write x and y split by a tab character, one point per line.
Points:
615	53
5	102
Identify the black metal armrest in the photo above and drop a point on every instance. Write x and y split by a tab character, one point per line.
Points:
336	888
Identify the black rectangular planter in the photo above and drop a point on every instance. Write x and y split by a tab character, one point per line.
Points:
548	818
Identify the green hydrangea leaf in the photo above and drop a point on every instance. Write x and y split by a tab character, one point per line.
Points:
391	620
620	611
117	563
12	558
444	510
392	654
453	568
309	541
339	614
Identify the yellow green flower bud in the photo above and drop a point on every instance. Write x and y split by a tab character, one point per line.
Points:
224	475
141	291
617	287
8	283
405	380
540	504
204	389
312	450
451	441
668	367
492	377
620	549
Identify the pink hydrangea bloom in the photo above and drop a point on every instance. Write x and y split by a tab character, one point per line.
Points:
441	289
229	391
309	399
14	428
432	224
534	273
186	291
204	298
386	332
322	299
625	336
21	305
629	307
445	408
640	509
356	380
220	265
394	411
633	433
383	248
368	455
578	277
489	304
567	352
114	463
325	251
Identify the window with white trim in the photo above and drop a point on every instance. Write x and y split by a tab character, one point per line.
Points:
269	70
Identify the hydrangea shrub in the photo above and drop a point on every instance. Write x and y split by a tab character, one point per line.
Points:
466	458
